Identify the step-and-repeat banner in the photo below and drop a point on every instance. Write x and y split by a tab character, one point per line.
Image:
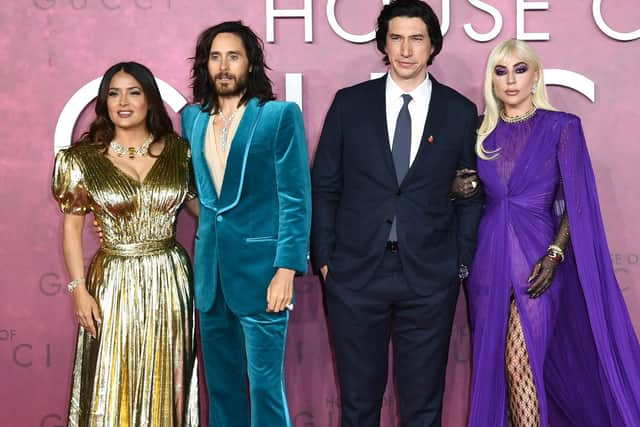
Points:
54	50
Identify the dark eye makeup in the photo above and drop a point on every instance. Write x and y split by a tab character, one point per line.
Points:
520	68
500	70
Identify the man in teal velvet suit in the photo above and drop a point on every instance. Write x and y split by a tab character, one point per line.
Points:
251	171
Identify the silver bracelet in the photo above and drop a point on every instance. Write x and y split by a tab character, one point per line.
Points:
72	285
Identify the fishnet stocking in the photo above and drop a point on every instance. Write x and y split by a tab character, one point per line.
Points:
523	399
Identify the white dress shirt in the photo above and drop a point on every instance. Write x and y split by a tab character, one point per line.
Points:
418	109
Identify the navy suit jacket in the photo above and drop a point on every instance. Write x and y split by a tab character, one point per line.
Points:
356	194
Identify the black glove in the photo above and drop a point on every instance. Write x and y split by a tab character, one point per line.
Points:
542	275
465	184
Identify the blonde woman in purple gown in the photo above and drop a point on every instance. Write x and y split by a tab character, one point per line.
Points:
552	340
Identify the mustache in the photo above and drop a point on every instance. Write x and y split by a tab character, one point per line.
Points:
225	76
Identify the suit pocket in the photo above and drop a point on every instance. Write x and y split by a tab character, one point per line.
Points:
260	239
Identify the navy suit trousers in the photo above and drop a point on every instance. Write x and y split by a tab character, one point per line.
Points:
362	323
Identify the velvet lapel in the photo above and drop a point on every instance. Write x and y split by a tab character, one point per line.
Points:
206	189
432	127
379	122
237	160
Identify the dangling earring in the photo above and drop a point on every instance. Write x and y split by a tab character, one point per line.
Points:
534	88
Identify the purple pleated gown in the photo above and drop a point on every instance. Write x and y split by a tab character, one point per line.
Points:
583	350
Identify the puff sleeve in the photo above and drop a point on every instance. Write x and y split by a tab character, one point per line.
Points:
68	183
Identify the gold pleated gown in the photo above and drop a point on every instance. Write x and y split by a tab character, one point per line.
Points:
141	370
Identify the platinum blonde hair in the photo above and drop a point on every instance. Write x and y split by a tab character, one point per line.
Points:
493	105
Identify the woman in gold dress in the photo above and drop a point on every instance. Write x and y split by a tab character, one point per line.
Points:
135	362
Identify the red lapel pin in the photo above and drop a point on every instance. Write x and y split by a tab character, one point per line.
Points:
430	139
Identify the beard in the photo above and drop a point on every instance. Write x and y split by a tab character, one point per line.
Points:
233	87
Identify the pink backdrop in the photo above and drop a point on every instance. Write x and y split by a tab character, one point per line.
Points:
50	48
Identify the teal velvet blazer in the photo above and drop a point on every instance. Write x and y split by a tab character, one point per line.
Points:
262	219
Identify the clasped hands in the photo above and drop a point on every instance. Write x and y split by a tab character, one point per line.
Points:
465	184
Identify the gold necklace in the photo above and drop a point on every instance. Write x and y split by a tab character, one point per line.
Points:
520	118
132	152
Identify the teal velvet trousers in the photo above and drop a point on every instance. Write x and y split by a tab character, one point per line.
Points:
239	347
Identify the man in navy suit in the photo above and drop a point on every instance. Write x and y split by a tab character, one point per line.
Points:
386	236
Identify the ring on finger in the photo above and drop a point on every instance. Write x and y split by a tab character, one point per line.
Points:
474	184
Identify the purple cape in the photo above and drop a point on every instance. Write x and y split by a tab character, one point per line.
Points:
583	349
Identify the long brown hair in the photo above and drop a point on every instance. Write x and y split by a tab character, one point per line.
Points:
258	83
102	130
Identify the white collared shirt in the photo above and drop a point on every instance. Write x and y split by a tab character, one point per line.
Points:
418	108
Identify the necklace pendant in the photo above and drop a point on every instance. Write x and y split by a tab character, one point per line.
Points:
223	139
226	126
132	152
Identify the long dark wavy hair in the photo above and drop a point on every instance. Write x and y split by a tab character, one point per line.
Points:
409	9
102	130
258	83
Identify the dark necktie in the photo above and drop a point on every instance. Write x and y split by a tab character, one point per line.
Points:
401	150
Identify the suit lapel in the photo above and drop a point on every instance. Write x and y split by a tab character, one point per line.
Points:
206	189
237	160
432	127
379	121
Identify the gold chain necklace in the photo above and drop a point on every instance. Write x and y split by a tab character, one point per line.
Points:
132	152
520	118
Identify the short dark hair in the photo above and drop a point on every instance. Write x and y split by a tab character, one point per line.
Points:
102	130
409	9
258	83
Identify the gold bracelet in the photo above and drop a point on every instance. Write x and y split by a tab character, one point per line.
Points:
72	285
556	248
555	256
554	251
